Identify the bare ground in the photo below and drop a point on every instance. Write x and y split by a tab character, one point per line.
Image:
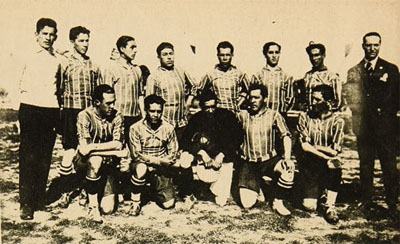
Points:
205	223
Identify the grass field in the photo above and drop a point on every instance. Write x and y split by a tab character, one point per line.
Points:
205	223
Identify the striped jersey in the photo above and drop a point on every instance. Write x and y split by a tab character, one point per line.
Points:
279	85
160	142
173	86
126	79
327	132
229	86
79	77
323	76
90	126
259	134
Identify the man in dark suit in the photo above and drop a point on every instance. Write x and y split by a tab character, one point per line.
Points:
372	92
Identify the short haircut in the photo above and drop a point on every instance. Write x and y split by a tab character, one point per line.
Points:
225	44
258	86
326	91
372	34
42	22
313	45
123	41
153	98
206	96
100	90
162	46
268	45
75	31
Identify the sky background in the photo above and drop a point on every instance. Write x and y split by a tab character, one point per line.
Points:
246	24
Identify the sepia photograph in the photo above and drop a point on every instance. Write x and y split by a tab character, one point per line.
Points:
225	121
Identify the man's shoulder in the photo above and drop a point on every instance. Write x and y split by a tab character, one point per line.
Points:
386	64
167	126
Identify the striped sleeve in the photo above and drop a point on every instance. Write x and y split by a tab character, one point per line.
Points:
280	124
83	126
118	129
108	76
151	85
243	84
337	87
134	141
205	83
302	128
337	136
190	84
289	90
172	144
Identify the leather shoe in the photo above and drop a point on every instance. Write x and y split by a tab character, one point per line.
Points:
26	213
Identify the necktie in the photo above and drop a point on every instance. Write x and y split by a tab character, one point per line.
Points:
369	68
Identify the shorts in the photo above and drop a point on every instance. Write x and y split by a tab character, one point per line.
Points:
251	173
161	183
315	176
69	118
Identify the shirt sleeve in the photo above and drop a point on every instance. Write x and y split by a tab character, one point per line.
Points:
172	144
205	83
118	130
337	87
83	126
190	85
135	146
302	128
280	124
151	85
108	76
243	83
337	139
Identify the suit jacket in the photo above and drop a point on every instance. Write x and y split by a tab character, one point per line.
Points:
374	99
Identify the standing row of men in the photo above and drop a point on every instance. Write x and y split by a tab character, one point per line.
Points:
117	114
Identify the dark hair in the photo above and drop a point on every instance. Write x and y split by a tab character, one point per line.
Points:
268	45
326	91
42	22
372	34
163	46
313	45
153	98
258	86
75	31
225	44
206	96
123	41
100	90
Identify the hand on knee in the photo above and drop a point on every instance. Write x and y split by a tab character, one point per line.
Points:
310	204
108	204
247	197
94	163
140	170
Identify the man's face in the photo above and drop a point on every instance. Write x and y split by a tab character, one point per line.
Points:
257	101
154	113
167	58
371	47
273	55
81	43
106	106
210	106
316	57
46	37
129	51
225	56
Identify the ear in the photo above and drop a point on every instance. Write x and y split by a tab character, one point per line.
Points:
55	38
96	102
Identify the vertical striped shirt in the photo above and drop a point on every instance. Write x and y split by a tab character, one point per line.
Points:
259	134
79	77
229	86
90	126
173	86
126	79
279	85
161	142
314	78
327	132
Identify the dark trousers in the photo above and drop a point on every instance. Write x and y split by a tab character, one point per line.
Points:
369	146
38	133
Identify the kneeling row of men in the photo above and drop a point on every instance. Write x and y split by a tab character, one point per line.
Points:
214	140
